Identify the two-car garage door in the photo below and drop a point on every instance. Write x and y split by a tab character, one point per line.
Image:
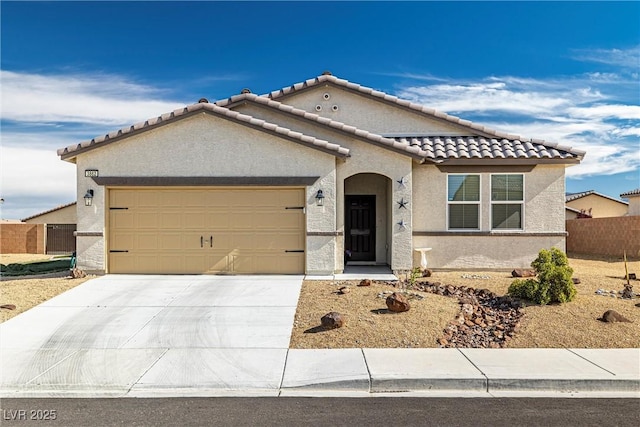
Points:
206	230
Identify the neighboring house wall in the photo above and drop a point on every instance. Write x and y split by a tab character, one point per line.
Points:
634	205
569	214
604	236
601	207
22	238
205	145
66	215
544	219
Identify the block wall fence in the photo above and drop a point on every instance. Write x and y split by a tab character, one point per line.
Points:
604	236
22	238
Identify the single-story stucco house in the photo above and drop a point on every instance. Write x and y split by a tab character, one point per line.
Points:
595	205
634	201
60	224
310	177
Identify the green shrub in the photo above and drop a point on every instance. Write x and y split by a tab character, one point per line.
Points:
553	283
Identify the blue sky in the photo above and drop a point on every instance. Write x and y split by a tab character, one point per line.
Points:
563	72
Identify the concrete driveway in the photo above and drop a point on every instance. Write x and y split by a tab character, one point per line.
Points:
142	335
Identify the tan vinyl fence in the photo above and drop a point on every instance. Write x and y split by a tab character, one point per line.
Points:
604	236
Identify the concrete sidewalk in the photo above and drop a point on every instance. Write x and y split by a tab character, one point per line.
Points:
471	372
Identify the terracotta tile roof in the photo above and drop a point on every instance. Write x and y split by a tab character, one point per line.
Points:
391	143
440	148
474	127
49	211
574	196
73	150
631	193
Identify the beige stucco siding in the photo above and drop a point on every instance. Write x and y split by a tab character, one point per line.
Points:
366	113
601	207
484	252
66	215
634	205
543	209
205	145
369	159
544	213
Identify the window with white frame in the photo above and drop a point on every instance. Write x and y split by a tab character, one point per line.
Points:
463	201
507	201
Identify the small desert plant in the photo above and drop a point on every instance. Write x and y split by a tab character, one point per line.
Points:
554	282
412	277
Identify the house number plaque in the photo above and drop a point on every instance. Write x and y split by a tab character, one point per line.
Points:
90	172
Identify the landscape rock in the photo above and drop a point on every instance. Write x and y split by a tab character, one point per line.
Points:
523	272
344	290
76	273
332	320
612	316
397	303
628	293
575	280
8	306
426	272
365	282
485	319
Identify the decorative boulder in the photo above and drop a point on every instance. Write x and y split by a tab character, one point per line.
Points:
612	316
332	320
76	273
426	272
523	272
365	282
397	303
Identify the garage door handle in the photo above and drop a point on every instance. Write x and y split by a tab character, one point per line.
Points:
202	241
210	241
294	250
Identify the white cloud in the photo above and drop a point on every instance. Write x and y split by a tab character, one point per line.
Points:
36	173
103	99
585	112
627	58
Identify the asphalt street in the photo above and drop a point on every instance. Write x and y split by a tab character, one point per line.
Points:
267	411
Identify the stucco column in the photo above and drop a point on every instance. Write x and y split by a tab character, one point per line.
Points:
402	207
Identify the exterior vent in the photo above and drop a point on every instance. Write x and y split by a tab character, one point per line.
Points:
318	107
326	96
334	108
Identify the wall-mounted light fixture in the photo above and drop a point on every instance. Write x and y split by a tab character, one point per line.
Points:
320	198
88	198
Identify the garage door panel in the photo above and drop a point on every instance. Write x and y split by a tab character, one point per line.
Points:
207	231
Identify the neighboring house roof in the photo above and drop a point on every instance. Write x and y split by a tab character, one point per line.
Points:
580	212
73	150
474	142
49	211
632	193
574	196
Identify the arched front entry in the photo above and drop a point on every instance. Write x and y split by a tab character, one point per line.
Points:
367	219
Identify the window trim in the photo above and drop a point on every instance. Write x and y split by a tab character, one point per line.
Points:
507	202
478	202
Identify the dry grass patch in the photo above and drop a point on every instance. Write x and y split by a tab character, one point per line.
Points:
561	325
26	292
368	323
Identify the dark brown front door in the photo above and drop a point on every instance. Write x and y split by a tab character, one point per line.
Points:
360	241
